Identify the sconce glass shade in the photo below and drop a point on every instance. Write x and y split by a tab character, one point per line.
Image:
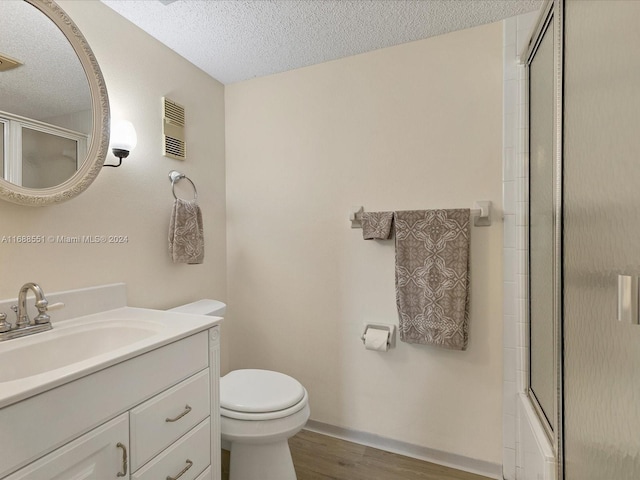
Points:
123	136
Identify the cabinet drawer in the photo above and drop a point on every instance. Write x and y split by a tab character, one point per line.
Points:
193	451
99	454
163	419
206	475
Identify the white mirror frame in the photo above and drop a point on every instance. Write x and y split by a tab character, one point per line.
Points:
97	150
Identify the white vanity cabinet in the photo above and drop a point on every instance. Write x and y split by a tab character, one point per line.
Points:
153	416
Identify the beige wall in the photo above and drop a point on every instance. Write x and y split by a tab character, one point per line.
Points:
414	126
134	200
409	127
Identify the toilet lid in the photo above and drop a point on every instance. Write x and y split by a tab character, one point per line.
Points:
259	391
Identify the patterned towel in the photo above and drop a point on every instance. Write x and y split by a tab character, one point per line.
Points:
432	277
377	225
186	239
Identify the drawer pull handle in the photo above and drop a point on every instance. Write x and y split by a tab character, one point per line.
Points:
189	465
187	409
124	459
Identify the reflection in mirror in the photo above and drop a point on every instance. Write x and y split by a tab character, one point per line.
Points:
45	102
47	160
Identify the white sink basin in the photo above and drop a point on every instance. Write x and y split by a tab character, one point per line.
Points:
61	347
77	347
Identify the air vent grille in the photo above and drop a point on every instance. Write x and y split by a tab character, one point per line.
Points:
173	127
174	112
174	148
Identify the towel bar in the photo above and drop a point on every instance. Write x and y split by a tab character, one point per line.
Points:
175	177
481	213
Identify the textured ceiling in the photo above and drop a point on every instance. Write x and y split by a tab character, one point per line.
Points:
235	40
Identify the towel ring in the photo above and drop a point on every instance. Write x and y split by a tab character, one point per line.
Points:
175	177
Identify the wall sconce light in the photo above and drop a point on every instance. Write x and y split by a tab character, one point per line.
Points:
123	141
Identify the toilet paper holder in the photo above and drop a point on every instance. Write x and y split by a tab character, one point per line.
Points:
391	342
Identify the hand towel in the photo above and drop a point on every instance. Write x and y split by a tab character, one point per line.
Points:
376	225
432	277
186	238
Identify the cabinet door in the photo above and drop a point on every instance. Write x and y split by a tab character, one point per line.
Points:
101	454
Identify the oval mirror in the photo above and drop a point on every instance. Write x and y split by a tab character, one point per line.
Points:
54	109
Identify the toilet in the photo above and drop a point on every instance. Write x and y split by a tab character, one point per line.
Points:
259	411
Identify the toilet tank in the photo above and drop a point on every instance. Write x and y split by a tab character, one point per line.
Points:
213	308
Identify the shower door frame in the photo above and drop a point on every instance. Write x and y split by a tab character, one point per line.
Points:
552	10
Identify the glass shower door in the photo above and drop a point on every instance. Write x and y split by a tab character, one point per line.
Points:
601	238
542	231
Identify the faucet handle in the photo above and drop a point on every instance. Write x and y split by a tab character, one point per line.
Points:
4	325
55	306
43	307
42	316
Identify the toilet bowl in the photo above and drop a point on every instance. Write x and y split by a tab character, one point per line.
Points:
259	411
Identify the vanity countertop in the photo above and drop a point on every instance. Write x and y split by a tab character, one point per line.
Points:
86	344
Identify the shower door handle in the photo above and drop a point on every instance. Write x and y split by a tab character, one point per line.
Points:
628	299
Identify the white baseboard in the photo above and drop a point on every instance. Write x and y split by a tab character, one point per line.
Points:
452	460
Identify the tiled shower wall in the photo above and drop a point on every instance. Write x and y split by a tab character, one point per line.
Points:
527	454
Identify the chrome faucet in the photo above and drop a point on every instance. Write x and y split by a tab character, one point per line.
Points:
41	305
24	326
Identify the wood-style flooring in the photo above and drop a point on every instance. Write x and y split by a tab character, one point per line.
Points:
320	457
